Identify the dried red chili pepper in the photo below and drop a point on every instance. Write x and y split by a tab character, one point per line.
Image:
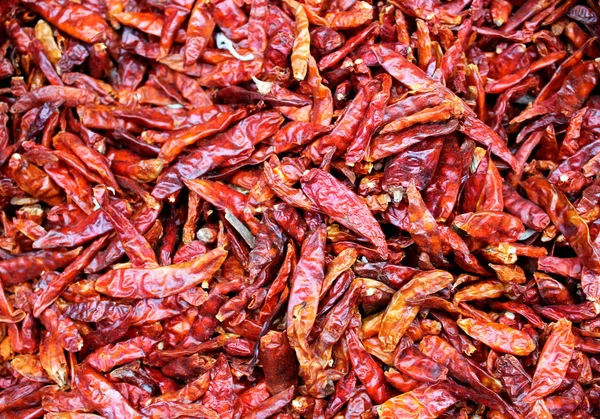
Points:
268	209
429	402
499	337
347	208
160	281
557	351
101	394
400	313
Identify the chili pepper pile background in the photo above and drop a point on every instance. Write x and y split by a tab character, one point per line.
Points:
252	209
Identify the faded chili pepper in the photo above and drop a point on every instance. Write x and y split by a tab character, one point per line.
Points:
503	228
301	47
428	402
399	313
422	226
303	302
33	180
499	337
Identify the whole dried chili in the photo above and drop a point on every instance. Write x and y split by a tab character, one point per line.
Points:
299	209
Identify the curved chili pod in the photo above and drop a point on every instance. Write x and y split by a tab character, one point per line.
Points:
160	281
553	363
102	395
429	402
399	313
499	337
337	201
565	217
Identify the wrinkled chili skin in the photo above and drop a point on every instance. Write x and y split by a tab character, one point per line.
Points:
349	211
30	266
98	392
278	362
299	209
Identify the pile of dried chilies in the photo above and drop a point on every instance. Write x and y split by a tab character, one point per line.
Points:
328	209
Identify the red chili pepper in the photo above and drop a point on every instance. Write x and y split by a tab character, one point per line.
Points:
307	209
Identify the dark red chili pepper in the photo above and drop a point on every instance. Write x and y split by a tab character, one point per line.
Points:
307	209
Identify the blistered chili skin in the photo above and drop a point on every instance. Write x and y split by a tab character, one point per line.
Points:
299	209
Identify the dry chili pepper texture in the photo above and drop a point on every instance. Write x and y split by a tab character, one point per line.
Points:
265	209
